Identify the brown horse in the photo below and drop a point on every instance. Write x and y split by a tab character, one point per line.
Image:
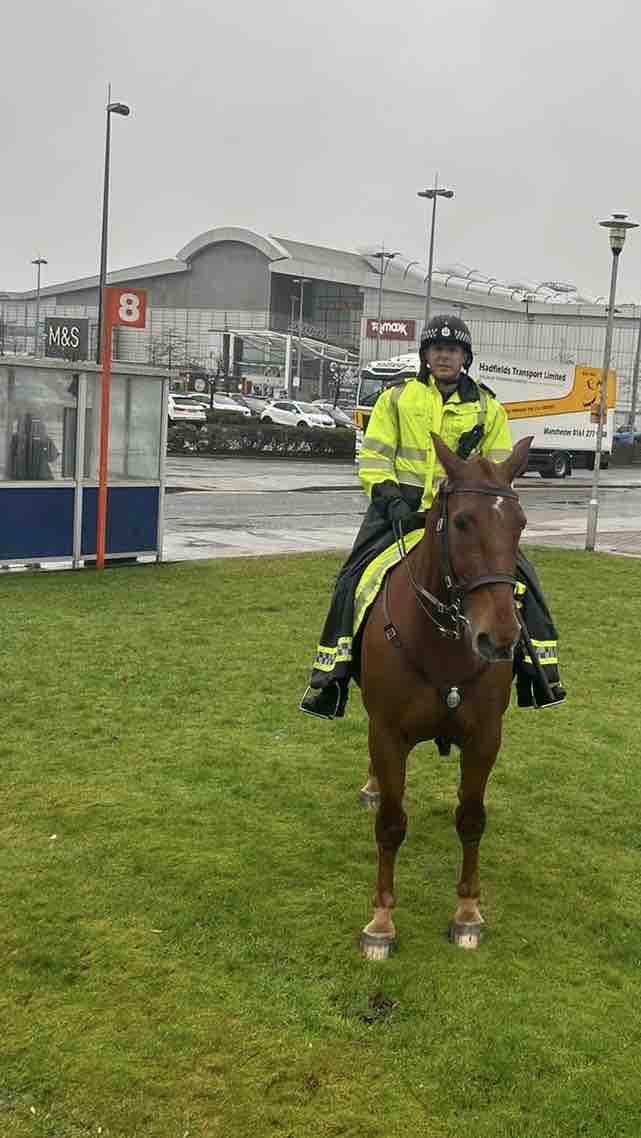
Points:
436	663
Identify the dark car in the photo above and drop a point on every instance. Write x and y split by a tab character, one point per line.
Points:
341	418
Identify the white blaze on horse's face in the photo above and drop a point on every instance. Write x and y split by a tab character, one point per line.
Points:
494	630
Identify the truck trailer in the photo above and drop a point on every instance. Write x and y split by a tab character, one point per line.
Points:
556	403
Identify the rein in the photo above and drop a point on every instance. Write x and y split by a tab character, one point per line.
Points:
457	589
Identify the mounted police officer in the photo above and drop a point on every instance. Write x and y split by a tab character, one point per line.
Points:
400	473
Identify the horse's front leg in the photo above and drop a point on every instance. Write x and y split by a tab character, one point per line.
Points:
388	753
369	795
477	761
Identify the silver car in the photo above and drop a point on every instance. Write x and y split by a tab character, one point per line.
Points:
293	413
228	403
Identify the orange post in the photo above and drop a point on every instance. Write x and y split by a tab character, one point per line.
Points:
105	396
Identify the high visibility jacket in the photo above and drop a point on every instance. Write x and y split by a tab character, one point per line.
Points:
398	444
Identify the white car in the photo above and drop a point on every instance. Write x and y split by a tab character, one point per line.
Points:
199	397
293	413
183	409
226	403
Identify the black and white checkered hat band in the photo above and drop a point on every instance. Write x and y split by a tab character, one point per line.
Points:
444	333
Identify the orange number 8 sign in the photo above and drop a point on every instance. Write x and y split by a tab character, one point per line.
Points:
128	306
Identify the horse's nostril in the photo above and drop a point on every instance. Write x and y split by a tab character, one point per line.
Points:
484	645
492	652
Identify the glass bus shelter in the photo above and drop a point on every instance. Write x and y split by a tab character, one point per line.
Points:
49	444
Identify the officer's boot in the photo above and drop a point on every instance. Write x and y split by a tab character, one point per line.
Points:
328	702
552	698
531	692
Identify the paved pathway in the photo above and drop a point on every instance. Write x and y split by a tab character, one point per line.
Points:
252	507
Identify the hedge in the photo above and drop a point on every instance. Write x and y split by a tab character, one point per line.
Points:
238	435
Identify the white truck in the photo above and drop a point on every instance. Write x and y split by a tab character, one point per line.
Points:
557	403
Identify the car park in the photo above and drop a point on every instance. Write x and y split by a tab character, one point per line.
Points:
294	413
183	409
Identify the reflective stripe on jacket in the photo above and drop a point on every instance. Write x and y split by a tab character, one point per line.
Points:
398	444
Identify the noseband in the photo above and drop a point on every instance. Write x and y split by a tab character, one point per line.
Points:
457	589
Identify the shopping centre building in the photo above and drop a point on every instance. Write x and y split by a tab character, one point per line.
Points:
236	302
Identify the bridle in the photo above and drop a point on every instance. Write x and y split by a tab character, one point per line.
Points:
440	612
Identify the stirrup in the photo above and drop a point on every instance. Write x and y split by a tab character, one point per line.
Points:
324	703
557	690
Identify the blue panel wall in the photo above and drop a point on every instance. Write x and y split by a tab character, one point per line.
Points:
36	522
132	519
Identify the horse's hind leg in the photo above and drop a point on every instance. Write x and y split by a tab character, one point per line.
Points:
476	764
388	753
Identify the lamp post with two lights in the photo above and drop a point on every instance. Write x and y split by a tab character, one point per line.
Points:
618	226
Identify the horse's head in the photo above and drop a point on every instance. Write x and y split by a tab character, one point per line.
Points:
480	541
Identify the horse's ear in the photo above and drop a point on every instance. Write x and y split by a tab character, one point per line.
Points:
517	462
453	466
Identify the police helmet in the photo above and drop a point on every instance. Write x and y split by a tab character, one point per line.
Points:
448	330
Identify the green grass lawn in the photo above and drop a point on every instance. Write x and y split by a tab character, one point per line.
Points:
186	870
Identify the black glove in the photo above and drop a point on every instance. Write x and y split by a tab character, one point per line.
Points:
397	509
389	502
415	520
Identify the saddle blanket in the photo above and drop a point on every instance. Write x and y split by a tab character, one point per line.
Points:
373	575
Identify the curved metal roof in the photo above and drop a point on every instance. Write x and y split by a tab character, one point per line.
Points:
270	246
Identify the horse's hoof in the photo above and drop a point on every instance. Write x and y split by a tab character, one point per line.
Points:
377	946
466	934
369	799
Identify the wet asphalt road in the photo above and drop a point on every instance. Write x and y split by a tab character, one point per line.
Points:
235	507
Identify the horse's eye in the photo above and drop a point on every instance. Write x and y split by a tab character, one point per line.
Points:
461	522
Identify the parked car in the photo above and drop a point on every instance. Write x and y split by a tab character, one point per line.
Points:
293	413
228	403
341	418
197	397
184	409
253	402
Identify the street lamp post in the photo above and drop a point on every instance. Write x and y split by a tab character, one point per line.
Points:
112	109
384	259
39	261
618	226
302	281
436	192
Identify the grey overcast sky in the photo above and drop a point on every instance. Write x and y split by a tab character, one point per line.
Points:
320	121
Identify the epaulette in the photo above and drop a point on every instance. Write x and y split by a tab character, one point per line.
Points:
400	379
486	388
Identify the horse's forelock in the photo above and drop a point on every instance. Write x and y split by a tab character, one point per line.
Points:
491	471
484	470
